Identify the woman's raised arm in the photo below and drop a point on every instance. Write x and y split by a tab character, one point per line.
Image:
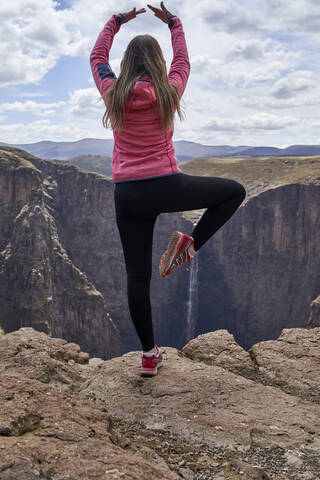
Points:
180	66
99	57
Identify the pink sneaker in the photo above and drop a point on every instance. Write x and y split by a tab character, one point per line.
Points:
150	364
176	254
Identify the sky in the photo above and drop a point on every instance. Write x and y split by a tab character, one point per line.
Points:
254	76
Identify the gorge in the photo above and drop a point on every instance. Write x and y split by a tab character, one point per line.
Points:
62	267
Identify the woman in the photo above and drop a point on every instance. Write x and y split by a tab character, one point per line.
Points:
140	108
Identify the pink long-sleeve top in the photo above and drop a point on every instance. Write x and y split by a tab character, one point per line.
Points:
142	149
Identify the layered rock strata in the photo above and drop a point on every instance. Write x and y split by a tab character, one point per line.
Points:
39	283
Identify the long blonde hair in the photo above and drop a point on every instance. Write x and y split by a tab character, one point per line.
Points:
143	56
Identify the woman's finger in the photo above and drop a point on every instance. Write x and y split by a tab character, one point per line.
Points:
154	9
161	14
132	14
164	8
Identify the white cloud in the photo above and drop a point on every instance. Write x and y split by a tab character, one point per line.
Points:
268	102
296	16
250	49
293	84
32	107
297	89
237	73
261	50
24	68
264	121
31	94
33	36
45	130
86	103
247	60
230	17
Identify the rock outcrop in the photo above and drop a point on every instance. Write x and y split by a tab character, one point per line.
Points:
314	317
213	411
292	363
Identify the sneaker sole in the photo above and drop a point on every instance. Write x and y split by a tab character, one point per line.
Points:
170	253
148	373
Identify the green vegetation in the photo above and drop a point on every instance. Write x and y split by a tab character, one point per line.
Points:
15	158
273	170
255	173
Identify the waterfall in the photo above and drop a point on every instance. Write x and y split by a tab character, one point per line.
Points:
192	306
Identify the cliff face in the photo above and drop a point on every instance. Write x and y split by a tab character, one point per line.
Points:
39	283
77	212
260	272
83	207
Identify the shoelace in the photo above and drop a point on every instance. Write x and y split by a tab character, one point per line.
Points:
182	258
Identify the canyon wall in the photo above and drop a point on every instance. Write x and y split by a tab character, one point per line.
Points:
62	268
80	209
260	272
40	286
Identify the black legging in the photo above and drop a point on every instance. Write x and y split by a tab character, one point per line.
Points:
138	203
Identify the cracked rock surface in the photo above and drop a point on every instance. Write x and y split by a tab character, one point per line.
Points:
213	411
48	433
292	363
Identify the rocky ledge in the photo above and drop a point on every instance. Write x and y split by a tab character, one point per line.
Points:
214	411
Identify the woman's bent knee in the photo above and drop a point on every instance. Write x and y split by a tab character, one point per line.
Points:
240	191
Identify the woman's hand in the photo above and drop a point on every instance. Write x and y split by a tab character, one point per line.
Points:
132	14
162	13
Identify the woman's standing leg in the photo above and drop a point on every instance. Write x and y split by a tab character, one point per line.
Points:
136	237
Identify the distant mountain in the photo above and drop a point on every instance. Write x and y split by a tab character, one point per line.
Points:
185	150
293	150
304	150
92	163
93	146
65	150
259	152
196	150
184	158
